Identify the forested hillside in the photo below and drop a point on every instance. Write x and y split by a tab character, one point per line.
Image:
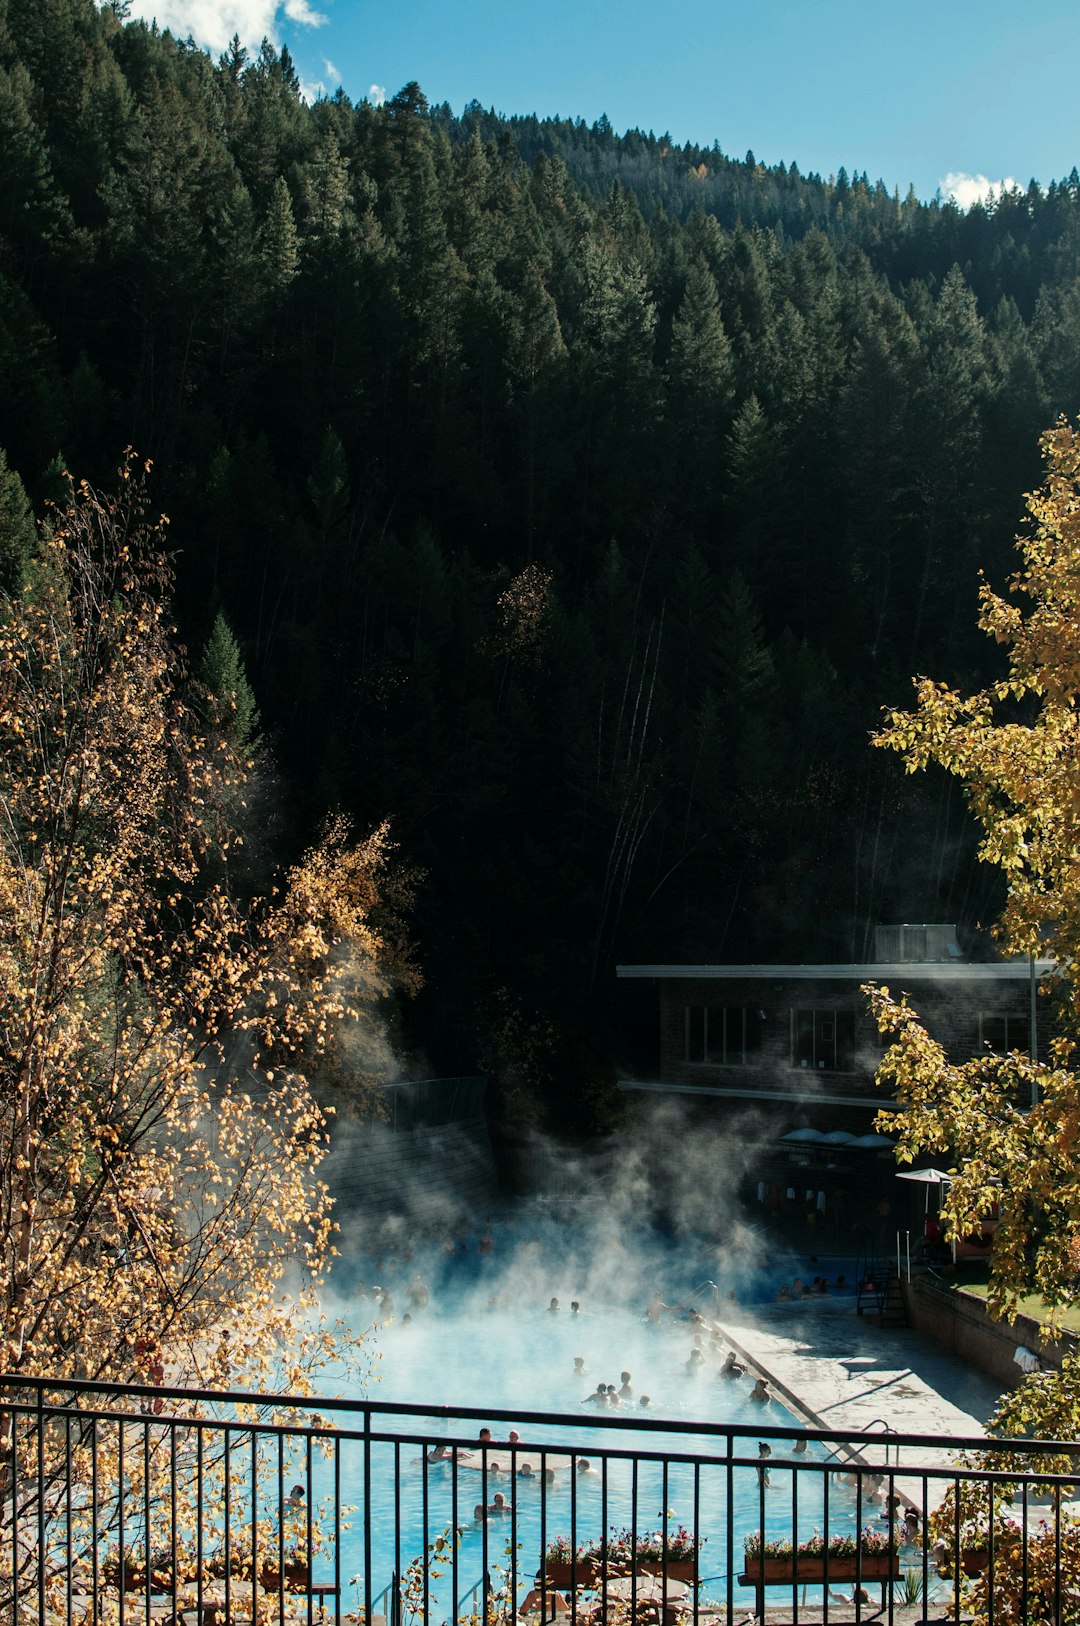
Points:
577	500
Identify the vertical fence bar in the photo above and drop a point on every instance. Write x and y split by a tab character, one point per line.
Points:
367	1515
1057	1553
253	1543
991	1526
147	1514
573	1542
338	1443
483	1520
1024	1589
397	1519
425	1508
795	1530
226	1515
455	1566
173	1515
309	1497
95	1537
199	1542
68	1552
826	1481
858	1543
697	1540
512	1578
120	1515
729	1471
543	1535
761	1547
14	1472
41	1502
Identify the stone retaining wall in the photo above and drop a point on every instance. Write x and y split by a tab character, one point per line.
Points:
961	1323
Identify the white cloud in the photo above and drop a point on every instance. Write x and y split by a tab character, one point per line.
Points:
298	11
964	190
330	70
212	23
376	94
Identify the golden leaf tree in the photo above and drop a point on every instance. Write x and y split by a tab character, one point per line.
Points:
1008	1126
161	1215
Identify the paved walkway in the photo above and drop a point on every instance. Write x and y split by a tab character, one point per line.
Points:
848	1372
842	1371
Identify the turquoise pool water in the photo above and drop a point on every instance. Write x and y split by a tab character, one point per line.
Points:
487	1337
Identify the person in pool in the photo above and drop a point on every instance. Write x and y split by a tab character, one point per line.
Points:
553	1306
625	1391
645	1404
656	1307
729	1366
580	1369
760	1392
418	1292
526	1471
586	1470
598	1396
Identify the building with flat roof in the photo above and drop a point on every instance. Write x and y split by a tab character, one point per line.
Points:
801	1036
784	1056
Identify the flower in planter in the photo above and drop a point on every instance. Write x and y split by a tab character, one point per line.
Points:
870	1543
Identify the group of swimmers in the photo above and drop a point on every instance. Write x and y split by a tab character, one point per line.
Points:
606	1394
817	1289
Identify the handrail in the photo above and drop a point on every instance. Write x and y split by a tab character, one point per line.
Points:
342	1411
391	1586
887	1428
484	1581
703	1287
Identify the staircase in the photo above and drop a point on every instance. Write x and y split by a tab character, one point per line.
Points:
879	1288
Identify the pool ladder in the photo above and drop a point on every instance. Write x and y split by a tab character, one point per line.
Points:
390	1598
702	1289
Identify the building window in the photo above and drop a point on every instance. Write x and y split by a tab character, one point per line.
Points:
723	1035
1002	1031
824	1040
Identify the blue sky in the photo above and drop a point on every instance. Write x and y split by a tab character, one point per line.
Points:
915	93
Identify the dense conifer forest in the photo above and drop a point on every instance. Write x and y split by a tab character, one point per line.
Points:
576	500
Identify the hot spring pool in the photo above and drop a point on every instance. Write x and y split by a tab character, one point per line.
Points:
487	1337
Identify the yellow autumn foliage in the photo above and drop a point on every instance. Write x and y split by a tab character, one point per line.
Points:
161	1213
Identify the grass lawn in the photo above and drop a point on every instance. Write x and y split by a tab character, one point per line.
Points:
974	1275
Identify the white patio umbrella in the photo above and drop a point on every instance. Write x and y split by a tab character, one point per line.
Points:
927	1178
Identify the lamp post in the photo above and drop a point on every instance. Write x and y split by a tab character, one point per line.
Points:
1034	1026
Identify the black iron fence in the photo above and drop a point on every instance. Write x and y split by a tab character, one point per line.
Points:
139	1504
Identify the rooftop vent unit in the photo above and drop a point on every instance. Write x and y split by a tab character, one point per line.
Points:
896	944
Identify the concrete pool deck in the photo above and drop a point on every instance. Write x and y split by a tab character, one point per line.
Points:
842	1371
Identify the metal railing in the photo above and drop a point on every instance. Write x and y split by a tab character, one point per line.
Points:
141	1504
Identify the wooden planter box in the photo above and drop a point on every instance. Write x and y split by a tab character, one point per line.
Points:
297	1578
798	1569
973	1560
589	1572
161	1581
